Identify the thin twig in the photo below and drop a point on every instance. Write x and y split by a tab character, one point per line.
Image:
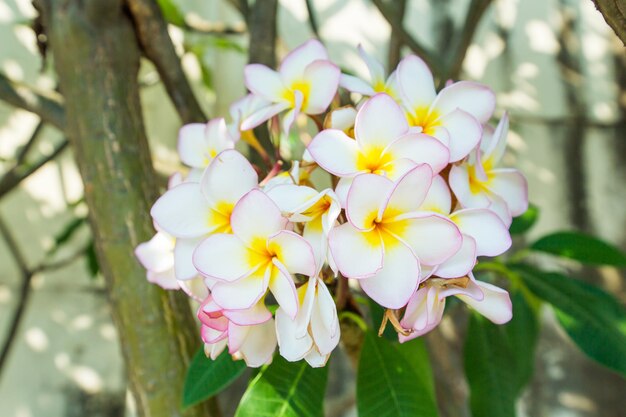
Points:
396	26
151	29
312	19
48	106
21	155
19	173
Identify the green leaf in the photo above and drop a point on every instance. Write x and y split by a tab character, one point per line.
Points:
92	259
389	385
285	389
524	222
416	355
66	234
172	12
522	332
583	248
206	377
594	320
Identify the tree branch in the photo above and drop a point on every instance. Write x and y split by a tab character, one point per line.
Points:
395	42
614	13
397	26
21	155
262	28
155	41
312	19
48	106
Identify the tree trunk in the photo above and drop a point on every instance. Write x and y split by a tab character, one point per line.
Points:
97	59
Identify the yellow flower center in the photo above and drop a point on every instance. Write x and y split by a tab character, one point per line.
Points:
426	118
290	93
373	159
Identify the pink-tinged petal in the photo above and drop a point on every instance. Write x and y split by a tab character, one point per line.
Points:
462	262
314	234
357	254
183	211
356	85
342	118
218	137
416	82
324	79
223	257
156	254
423	313
256	217
498	206
290	117
494	146
316	359
283	288
263	115
194	175
236	337
303	319
327	310
409	191
264	82
511	185
459	180
422	149
491	235
394	284
474	98
366	199
195	288
164	279
183	255
216	349
496	304
342	189
192	145
335	152
295	62
292	199
471	290
325	337
259	345
438	198
432	237
379	122
291	347
175	179
442	135
211	335
293	251
227	178
465	133
376	69
257	314
243	293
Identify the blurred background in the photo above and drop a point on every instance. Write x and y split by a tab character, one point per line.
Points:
556	67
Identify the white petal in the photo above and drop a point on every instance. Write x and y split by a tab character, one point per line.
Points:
264	82
164	279
195	288
295	62
416	82
432	237
335	152
491	235
459	180
183	255
462	262
342	189
218	137
263	114
291	347
356	85
422	149
292	199
323	335
438	198
511	185
465	132
379	122
227	178
192	145
376	69
357	254
316	359
243	293
394	284
498	206
474	98
257	314
284	290
223	257
495	145
366	199
183	211
409	191
324	79
256	217
423	313
293	251
496	304
156	254
259	346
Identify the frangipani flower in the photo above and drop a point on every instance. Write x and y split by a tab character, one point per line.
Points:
249	334
425	309
318	210
306	82
377	82
454	116
386	237
484	234
259	254
383	145
342	119
315	331
478	183
199	143
241	109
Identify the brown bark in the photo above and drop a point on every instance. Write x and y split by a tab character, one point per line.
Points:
97	60
614	13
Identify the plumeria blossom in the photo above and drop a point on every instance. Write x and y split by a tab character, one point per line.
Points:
314	333
249	334
425	309
454	116
259	254
306	82
318	211
386	237
241	109
377	82
199	143
479	183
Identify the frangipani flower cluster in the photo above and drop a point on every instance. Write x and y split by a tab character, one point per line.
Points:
396	195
